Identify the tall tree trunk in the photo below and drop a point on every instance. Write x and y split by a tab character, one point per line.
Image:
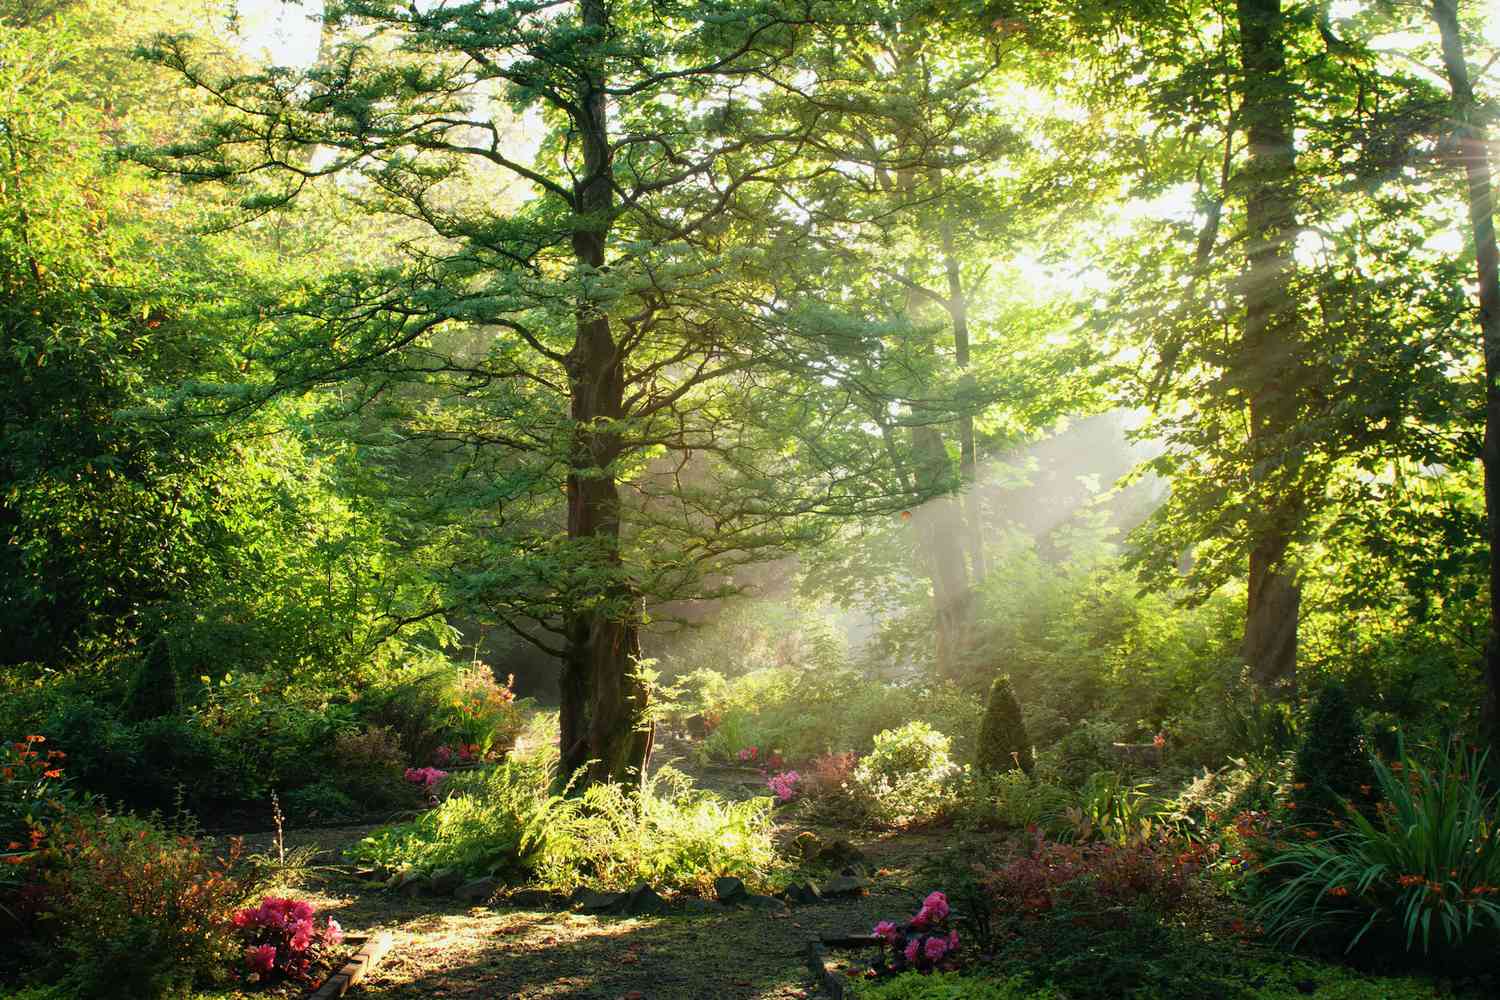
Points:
968	466
1267	362
939	527
604	731
1475	153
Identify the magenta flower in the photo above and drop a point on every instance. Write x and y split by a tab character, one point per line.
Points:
937	905
912	951
334	934
935	948
886	929
953	940
262	959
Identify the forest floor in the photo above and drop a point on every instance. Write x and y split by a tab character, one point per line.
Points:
446	948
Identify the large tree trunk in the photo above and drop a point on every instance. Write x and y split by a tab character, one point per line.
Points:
940	536
1475	152
604	732
1267	362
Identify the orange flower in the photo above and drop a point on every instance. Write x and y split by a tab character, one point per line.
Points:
52	774
15	845
36	739
1339	890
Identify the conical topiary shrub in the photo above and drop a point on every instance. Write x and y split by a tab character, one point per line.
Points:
1003	743
1332	760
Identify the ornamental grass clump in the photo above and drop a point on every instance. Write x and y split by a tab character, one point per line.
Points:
1425	870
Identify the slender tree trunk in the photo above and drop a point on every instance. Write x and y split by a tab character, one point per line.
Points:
968	467
939	527
1475	153
1268	355
603	728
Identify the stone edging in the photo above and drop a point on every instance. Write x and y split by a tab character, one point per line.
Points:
354	970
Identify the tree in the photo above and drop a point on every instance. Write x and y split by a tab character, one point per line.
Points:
637	304
1473	147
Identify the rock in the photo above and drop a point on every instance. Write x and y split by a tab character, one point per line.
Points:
413	886
534	899
840	853
445	880
729	889
844	886
803	894
593	901
695	906
478	890
644	900
809	845
759	902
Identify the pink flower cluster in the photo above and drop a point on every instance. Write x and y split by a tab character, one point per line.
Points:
467	753
749	753
925	941
427	777
282	937
784	785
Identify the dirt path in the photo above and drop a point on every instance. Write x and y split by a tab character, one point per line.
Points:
444	948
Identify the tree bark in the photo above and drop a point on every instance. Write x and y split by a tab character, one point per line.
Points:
968	465
1268	359
939	526
1474	151
604	732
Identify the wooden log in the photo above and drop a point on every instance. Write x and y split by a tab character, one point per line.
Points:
354	970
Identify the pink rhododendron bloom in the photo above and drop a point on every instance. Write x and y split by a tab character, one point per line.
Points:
935	948
261	960
937	905
784	785
887	930
920	920
302	935
953	940
334	934
912	950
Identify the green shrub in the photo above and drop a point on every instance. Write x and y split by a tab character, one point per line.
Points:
506	821
323	802
1082	752
1332	760
949	986
1427	866
370	771
1003	743
138	910
907	776
1009	800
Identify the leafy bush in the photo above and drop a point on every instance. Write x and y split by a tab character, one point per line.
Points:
1332	760
907	776
948	986
1003	743
138	910
1427	865
507	821
1082	752
1110	809
1159	874
1008	800
370	765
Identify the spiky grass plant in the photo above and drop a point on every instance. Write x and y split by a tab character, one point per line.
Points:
1428	864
